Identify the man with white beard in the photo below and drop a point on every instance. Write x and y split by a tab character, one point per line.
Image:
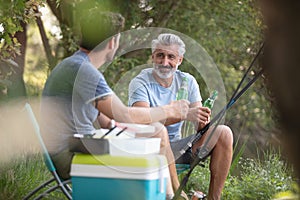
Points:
158	86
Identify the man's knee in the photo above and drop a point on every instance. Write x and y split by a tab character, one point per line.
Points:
160	132
159	127
226	135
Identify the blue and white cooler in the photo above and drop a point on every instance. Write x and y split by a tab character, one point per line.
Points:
119	177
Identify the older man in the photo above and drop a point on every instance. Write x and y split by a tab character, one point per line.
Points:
158	86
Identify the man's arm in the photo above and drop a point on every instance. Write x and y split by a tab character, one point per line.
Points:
197	114
166	122
113	107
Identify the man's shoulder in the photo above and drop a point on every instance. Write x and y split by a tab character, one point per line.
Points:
143	80
144	76
181	75
145	72
75	60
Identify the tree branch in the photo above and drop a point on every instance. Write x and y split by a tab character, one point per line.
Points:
45	40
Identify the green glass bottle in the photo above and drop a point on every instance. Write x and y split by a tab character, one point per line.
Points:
183	90
209	103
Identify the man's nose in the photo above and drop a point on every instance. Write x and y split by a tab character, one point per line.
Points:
165	61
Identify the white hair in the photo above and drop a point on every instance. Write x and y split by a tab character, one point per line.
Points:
168	39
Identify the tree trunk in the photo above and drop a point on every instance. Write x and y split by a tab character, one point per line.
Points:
17	89
282	59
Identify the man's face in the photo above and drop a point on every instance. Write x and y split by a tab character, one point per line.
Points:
166	60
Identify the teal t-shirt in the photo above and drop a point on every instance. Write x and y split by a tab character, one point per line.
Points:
145	88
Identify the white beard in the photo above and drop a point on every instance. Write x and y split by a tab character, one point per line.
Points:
164	73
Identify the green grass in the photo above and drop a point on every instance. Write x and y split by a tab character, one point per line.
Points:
22	175
257	179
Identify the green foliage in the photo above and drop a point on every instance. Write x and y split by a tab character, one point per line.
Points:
258	179
12	14
199	179
6	67
237	153
231	32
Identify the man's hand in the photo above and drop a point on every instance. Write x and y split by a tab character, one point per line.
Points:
179	108
204	115
199	115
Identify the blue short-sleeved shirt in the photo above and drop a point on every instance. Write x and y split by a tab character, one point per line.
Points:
67	105
145	88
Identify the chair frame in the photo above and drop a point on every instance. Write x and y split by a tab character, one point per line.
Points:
63	185
182	167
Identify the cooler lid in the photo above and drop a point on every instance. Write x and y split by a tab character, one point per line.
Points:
108	160
107	166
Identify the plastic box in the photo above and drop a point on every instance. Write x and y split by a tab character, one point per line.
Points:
119	177
134	146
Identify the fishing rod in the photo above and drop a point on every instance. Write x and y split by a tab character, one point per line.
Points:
203	151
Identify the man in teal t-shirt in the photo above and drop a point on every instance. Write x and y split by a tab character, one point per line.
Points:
158	86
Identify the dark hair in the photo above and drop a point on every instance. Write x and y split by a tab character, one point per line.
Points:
96	26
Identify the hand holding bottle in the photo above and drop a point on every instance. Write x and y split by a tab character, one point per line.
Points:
205	115
206	109
199	115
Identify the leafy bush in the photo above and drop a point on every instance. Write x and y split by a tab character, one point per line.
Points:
257	179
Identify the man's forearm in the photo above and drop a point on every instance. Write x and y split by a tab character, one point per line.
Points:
167	114
104	121
113	107
170	121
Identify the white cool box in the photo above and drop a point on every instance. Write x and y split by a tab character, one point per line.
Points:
132	170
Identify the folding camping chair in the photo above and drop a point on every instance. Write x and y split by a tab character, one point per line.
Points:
59	183
182	167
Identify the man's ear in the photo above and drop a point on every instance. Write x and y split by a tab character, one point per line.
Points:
114	41
111	43
180	61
